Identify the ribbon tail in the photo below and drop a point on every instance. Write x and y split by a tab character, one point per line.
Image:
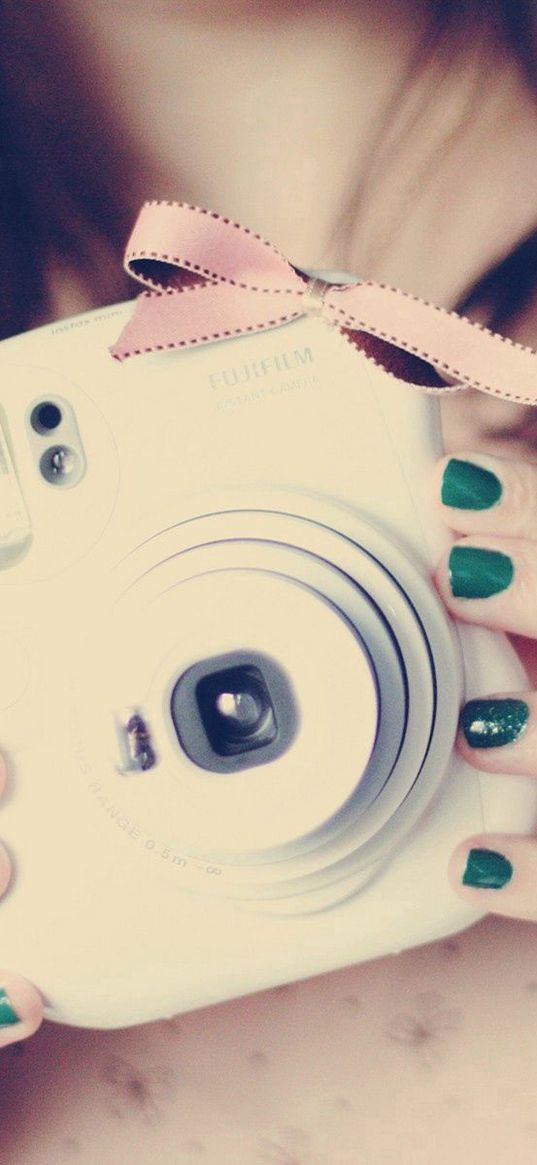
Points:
202	314
463	353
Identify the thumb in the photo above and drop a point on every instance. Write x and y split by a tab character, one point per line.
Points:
21	1008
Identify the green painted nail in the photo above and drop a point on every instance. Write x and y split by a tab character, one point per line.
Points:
491	723
7	1014
466	486
487	869
477	574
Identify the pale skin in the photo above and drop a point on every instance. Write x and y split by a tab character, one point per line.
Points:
508	526
266	112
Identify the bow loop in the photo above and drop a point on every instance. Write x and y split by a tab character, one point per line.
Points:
212	279
174	245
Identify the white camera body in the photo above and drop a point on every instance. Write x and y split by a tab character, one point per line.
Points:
228	690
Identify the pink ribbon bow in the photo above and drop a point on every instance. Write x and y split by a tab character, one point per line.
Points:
213	279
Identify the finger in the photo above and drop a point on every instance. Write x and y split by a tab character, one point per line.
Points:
3	773
499	733
497	873
21	1008
5	870
487	495
491	581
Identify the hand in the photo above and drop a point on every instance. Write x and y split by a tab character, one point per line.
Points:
489	577
21	1006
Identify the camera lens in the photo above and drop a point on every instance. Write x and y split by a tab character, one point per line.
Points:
45	417
236	710
241	710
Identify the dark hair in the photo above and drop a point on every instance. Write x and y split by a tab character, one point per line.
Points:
69	188
68	206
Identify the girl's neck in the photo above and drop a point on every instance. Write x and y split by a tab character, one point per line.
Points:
276	115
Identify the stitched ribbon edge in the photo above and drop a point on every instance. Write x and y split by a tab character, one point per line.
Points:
298	285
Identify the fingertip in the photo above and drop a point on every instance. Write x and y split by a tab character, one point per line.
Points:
498	733
458	862
21	1008
478	870
5	870
490	760
485	582
470	483
3	773
496	873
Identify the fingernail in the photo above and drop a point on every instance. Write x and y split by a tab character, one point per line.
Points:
491	723
466	486
487	869
477	574
7	1014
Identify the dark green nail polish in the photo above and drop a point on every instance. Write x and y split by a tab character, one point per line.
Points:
477	574
466	486
491	723
7	1014
487	869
